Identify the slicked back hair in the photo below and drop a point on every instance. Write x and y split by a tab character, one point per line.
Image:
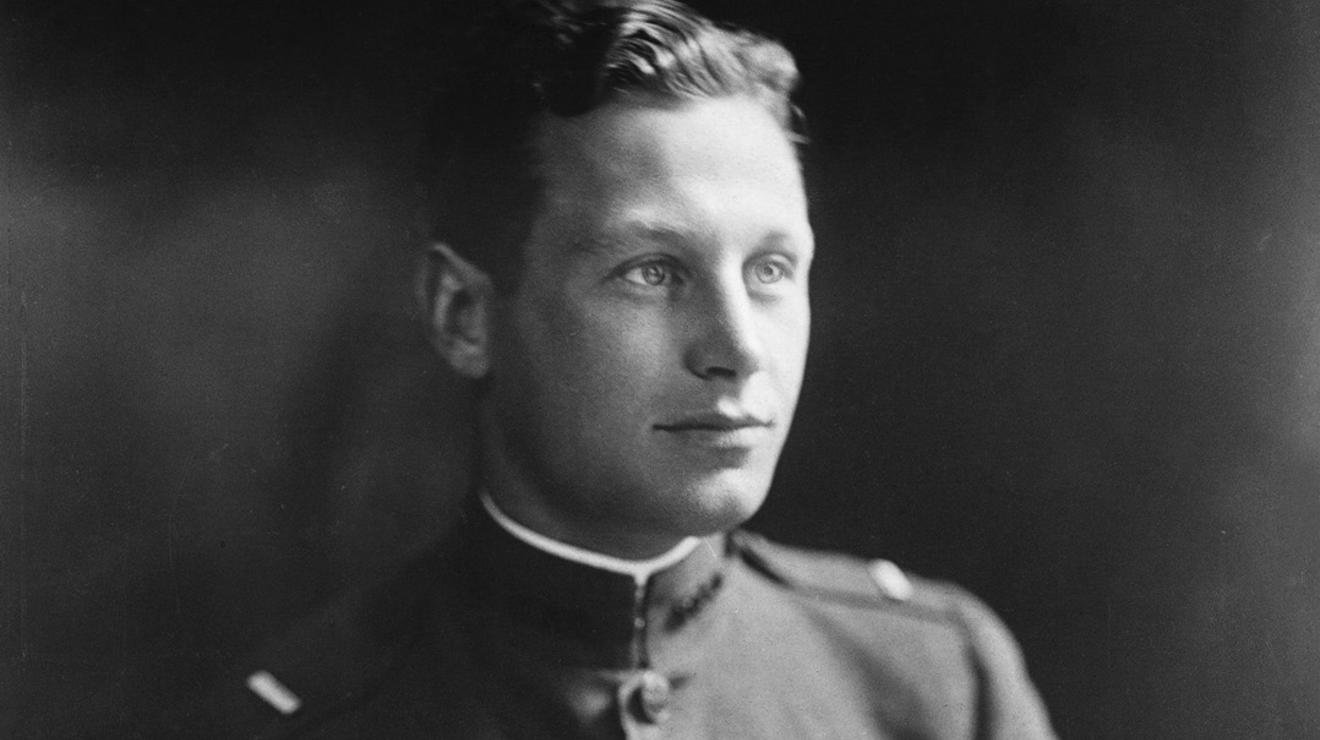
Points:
529	59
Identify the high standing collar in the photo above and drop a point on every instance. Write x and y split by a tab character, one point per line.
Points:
598	617
639	570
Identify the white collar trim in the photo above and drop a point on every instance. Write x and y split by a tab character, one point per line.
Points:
638	570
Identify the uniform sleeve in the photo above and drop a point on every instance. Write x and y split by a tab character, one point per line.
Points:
1009	706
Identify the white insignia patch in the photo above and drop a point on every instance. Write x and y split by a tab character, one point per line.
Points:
273	692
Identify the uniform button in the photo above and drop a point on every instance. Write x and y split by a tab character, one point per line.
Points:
892	581
654	696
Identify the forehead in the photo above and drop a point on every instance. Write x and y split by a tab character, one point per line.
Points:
689	157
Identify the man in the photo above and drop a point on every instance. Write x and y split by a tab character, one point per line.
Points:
622	271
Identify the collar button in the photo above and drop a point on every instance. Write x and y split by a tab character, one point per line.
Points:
653	697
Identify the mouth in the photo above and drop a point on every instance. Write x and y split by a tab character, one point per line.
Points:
718	430
714	422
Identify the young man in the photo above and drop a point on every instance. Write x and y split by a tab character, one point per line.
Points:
622	269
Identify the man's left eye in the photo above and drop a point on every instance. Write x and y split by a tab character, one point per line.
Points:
768	271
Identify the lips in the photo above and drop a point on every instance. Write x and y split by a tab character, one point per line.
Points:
714	421
729	436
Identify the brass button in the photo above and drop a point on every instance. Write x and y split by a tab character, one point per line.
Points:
654	695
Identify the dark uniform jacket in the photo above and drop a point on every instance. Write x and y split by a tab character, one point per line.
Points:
491	638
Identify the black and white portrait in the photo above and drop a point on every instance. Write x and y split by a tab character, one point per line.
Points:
644	368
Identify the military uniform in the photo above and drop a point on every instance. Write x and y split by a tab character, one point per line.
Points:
489	637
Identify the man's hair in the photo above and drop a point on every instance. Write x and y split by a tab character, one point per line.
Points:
534	58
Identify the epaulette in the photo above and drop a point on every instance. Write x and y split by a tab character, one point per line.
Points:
850	580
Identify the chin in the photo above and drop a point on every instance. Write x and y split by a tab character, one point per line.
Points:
708	507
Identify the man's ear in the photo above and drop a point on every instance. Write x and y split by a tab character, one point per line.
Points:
457	300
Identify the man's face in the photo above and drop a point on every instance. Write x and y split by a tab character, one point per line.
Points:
647	367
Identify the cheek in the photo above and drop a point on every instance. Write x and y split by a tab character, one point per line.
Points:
619	338
595	358
787	334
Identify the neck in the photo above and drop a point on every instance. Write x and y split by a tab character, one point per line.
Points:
528	513
513	490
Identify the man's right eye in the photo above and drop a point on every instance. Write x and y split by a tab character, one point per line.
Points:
652	274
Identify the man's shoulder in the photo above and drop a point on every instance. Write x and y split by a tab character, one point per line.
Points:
929	631
327	660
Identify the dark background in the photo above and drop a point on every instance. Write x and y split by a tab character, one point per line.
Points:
1066	350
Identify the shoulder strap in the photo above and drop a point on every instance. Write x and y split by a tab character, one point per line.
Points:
879	584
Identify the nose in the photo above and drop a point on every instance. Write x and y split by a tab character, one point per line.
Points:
726	342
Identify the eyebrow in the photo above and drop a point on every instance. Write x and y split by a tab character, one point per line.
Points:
617	236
